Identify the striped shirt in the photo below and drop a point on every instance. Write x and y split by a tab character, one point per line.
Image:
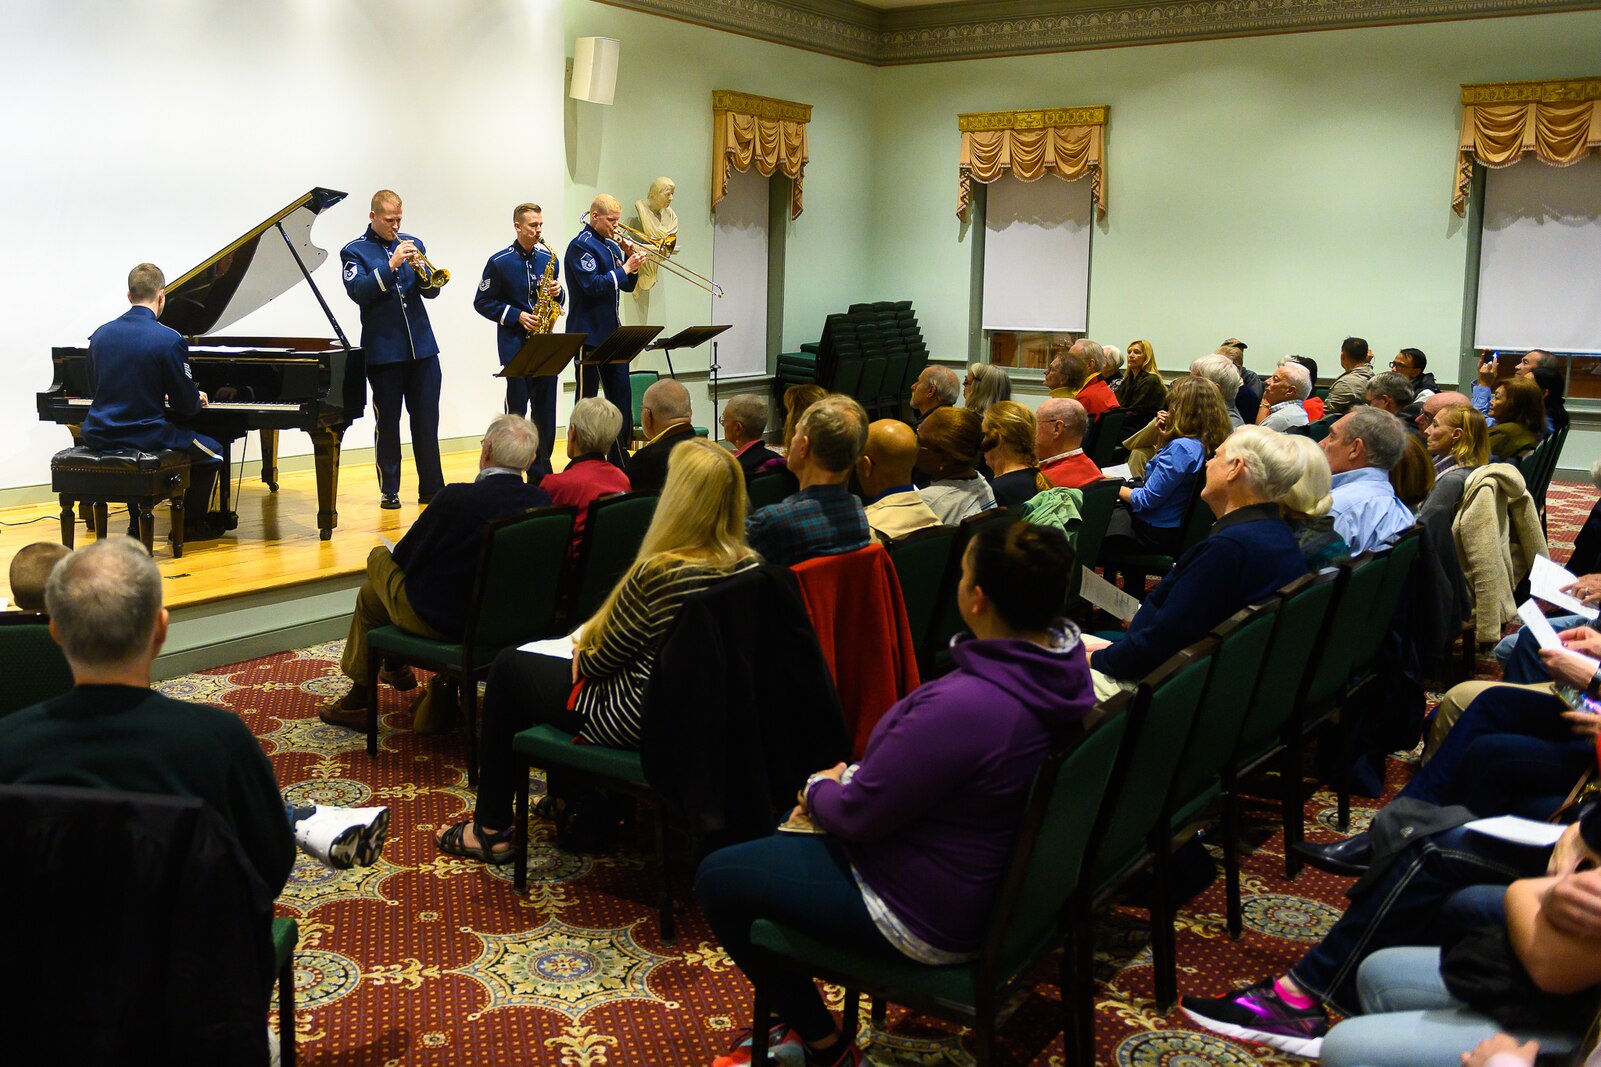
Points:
617	667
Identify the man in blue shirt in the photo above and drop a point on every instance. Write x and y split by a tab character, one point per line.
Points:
600	273
506	295
138	370
1361	449
380	274
822	518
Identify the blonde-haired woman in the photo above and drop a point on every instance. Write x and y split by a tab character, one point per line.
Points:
986	384
1009	450
1459	441
1141	392
1306	506
1188	432
696	538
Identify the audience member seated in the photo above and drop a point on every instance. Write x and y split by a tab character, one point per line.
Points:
1112	367
1549	379
1283	396
1249	553
1489	367
919	832
1412	477
984	385
1313	403
1362	448
937	387
1459	442
1141	391
1519	653
593	425
1059	429
745	429
822	518
30	569
948	444
1085	385
797	398
665	416
1517	418
1249	397
1586	555
884	471
1409	363
1192	427
1350	388
112	731
1009	436
696	537
1392	392
422	587
1306	508
1219	369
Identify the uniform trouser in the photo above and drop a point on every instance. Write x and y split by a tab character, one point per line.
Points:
207	460
416	382
535	399
613	378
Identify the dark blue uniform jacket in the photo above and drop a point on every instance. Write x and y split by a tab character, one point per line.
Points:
595	272
510	286
394	322
137	369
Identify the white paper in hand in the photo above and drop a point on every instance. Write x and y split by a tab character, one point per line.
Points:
1547	581
1106	596
1538	625
1518	831
1120	471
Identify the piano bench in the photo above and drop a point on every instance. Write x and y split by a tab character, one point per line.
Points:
98	476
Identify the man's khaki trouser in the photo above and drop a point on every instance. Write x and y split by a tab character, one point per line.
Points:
382	602
1454	703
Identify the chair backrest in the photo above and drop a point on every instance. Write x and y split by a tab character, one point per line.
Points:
1237	665
769	487
1108	431
1164	709
1199	518
518	585
947	619
1335	653
30	661
1397	574
921	560
613	531
1052	842
1095	512
1296	631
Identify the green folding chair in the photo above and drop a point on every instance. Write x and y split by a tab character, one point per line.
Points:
613	532
515	597
769	487
30	661
922	559
285	938
947	618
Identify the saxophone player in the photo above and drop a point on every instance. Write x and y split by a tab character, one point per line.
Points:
510	292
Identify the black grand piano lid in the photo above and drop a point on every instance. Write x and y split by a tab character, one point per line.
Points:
251	271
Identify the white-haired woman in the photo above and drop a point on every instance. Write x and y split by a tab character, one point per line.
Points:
984	385
588	476
1306	506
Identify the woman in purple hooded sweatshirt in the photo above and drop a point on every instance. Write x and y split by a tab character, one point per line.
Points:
919	832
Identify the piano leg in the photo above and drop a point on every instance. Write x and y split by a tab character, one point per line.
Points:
69	521
325	454
269	459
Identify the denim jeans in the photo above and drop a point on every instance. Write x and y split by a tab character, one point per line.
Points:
803	882
1519	653
1410	1020
1404	906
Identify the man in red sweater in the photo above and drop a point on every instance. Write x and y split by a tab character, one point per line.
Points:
1059	428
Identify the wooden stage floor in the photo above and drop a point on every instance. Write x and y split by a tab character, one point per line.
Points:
276	545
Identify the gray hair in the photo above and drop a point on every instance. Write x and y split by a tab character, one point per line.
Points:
946	385
1380	433
1299	376
991	385
105	599
1092	353
1221	372
1310	494
668	400
513	442
1075	420
1393	385
750	411
594	425
1113	358
836	430
1272	464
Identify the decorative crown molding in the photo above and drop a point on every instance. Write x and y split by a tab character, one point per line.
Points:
981	29
1036	119
763	107
1563	91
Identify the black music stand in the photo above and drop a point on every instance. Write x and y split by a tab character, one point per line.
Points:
543	355
625	343
688	337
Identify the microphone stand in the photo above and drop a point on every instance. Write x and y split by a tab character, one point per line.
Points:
717	431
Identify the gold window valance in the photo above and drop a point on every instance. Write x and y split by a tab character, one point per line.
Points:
1502	122
1066	141
771	133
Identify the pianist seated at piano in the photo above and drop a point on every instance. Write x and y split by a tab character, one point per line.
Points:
138	370
419	587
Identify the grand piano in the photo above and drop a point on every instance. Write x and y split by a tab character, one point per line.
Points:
314	384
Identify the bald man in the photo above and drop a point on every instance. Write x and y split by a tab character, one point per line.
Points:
1436	403
884	471
664	415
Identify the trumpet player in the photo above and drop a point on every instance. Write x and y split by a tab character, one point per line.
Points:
509	294
600	273
381	274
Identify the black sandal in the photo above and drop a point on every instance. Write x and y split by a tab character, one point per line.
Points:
453	842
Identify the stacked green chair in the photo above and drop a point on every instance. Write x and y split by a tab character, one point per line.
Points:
30	661
1046	864
613	530
515	598
922	560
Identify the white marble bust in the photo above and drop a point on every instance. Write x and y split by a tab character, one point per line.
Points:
659	222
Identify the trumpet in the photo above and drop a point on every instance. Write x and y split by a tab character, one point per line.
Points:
660	253
428	275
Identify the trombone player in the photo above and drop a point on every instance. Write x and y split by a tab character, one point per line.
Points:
385	273
600	273
521	292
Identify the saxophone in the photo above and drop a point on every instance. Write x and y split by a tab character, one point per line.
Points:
547	309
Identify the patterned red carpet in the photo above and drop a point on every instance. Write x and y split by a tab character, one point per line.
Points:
425	959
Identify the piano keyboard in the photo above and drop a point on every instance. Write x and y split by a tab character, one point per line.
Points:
215	405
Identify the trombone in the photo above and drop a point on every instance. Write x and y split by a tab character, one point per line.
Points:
660	253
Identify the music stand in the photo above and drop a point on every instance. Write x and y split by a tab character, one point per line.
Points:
543	355
622	346
688	337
